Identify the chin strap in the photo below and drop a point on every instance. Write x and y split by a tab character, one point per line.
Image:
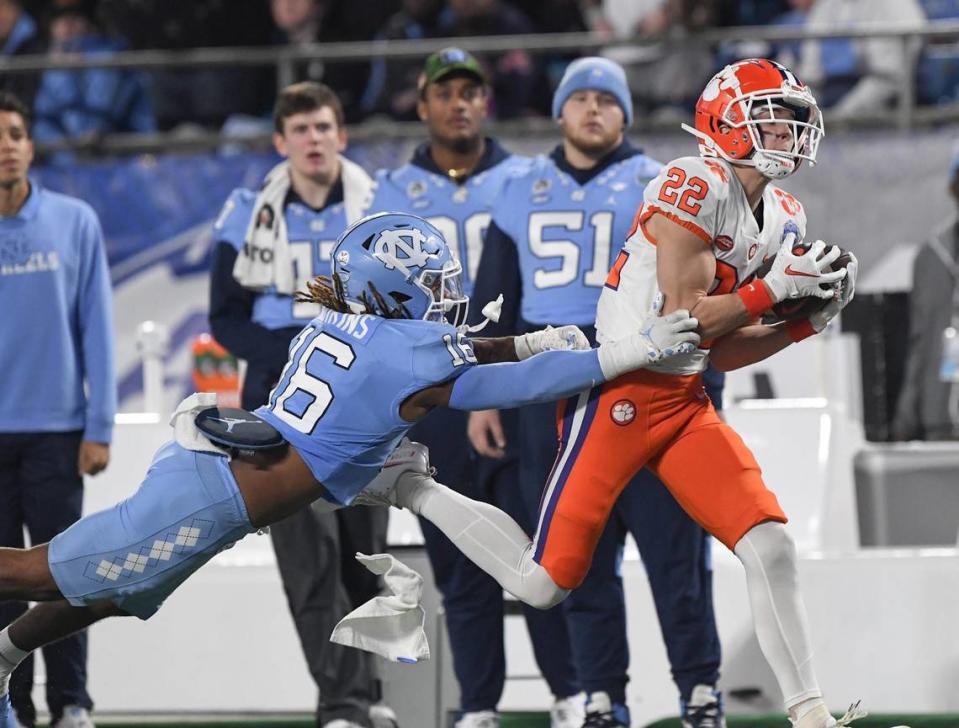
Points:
491	312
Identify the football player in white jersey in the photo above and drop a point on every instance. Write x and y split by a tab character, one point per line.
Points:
704	229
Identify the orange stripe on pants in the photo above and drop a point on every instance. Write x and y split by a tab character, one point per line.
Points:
645	418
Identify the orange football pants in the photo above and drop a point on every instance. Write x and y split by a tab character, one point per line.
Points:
661	421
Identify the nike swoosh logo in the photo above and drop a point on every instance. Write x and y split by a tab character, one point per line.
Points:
790	271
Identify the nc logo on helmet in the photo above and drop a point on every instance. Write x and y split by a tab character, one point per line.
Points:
408	241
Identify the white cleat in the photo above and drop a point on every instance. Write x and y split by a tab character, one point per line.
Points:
75	717
568	712
408	457
382	716
479	719
819	717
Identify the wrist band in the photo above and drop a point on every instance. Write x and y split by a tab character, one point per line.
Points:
800	329
756	297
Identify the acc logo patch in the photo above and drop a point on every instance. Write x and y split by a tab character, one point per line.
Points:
623	412
724	243
541	185
416	189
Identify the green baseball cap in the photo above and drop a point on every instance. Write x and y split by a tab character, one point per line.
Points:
450	60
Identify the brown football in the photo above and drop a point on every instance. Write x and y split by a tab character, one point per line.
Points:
798	308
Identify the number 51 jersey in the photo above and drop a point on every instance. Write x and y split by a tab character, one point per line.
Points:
705	197
338	399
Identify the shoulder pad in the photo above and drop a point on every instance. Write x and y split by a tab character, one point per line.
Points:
690	191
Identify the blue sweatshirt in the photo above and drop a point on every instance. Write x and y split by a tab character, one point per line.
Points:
56	330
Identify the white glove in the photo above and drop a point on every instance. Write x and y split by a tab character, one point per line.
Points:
659	337
797	276
564	338
847	289
820	320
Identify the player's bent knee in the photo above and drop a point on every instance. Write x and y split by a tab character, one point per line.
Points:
540	591
772	546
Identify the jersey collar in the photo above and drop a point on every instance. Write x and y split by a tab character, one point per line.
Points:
582	176
32	204
492	155
335	196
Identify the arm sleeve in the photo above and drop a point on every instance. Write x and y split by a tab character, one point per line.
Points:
96	330
545	377
231	315
498	273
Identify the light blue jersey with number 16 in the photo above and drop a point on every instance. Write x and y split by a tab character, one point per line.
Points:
338	399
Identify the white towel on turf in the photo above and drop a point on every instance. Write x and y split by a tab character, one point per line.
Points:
390	625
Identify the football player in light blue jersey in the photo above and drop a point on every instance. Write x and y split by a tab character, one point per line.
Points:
302	207
452	181
555	232
379	357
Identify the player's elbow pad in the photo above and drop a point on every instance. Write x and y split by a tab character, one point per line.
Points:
545	377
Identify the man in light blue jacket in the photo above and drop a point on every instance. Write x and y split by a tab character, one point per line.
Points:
59	393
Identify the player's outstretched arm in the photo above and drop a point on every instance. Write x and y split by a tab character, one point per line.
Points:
554	375
518	348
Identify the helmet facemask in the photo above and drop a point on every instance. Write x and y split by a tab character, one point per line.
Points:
806	129
445	286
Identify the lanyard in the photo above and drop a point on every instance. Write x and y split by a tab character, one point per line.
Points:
940	248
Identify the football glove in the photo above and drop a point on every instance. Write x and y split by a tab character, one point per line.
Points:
563	338
658	337
797	276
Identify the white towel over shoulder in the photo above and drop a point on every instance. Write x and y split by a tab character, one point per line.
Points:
265	260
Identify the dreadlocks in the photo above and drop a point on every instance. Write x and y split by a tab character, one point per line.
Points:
324	291
329	293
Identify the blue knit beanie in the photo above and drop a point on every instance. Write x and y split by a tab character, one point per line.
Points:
599	74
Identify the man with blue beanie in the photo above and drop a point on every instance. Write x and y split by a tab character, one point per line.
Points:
57	342
597	74
549	247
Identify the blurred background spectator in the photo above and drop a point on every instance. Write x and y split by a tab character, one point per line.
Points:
662	78
204	96
852	76
301	22
93	101
19	35
928	406
392	86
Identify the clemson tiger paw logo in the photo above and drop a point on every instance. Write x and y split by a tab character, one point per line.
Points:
623	412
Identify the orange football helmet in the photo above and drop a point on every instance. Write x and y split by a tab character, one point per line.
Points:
742	97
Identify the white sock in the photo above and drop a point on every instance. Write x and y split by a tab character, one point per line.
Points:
769	556
488	536
10	657
798	710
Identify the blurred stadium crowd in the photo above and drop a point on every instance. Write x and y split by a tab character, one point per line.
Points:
849	75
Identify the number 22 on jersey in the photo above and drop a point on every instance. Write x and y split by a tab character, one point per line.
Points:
694	191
